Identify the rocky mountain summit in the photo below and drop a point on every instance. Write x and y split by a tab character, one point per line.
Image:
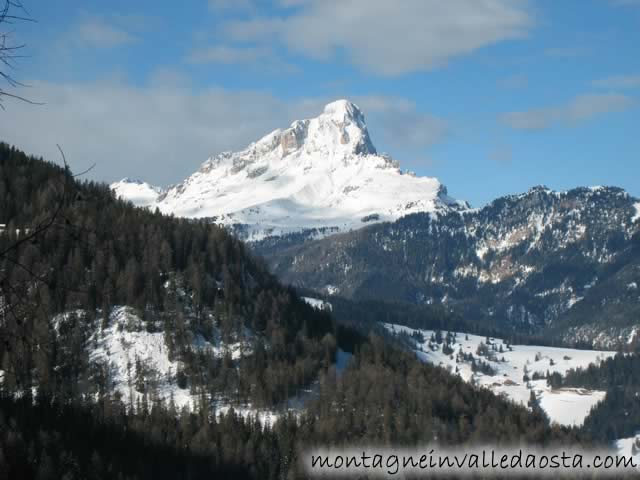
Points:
321	175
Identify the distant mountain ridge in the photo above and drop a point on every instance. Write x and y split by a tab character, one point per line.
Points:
565	263
322	174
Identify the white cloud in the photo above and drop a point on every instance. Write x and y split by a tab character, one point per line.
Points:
232	5
258	58
619	81
502	154
581	108
163	131
95	32
390	38
292	3
160	133
400	123
167	77
226	54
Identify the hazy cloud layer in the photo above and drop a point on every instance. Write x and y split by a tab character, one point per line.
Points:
389	38
163	131
619	81
581	108
232	5
227	55
258	58
502	154
97	32
401	124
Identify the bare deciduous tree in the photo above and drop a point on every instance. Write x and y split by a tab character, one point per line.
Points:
11	11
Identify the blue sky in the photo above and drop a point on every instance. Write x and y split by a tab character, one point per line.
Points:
490	96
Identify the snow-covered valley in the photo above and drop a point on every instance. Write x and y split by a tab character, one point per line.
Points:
515	371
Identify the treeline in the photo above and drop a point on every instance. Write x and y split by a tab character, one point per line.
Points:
388	396
618	371
46	440
368	315
618	415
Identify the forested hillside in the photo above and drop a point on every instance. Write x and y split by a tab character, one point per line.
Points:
188	279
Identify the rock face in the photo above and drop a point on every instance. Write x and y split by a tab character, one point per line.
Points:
543	261
320	175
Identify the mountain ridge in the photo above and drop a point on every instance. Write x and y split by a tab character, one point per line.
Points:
541	261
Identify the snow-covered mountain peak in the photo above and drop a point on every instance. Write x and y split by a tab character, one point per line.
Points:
339	132
140	193
343	109
321	173
344	122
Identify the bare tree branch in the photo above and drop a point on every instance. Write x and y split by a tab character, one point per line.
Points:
9	51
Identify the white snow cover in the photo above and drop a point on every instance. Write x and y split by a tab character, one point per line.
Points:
629	447
321	172
140	193
318	303
636	217
566	406
126	343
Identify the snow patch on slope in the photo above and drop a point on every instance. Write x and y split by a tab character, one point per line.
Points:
565	406
636	217
129	352
136	360
318	304
629	447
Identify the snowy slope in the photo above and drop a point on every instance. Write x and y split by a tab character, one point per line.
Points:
133	360
318	304
123	351
629	447
126	346
566	406
637	215
140	193
320	173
